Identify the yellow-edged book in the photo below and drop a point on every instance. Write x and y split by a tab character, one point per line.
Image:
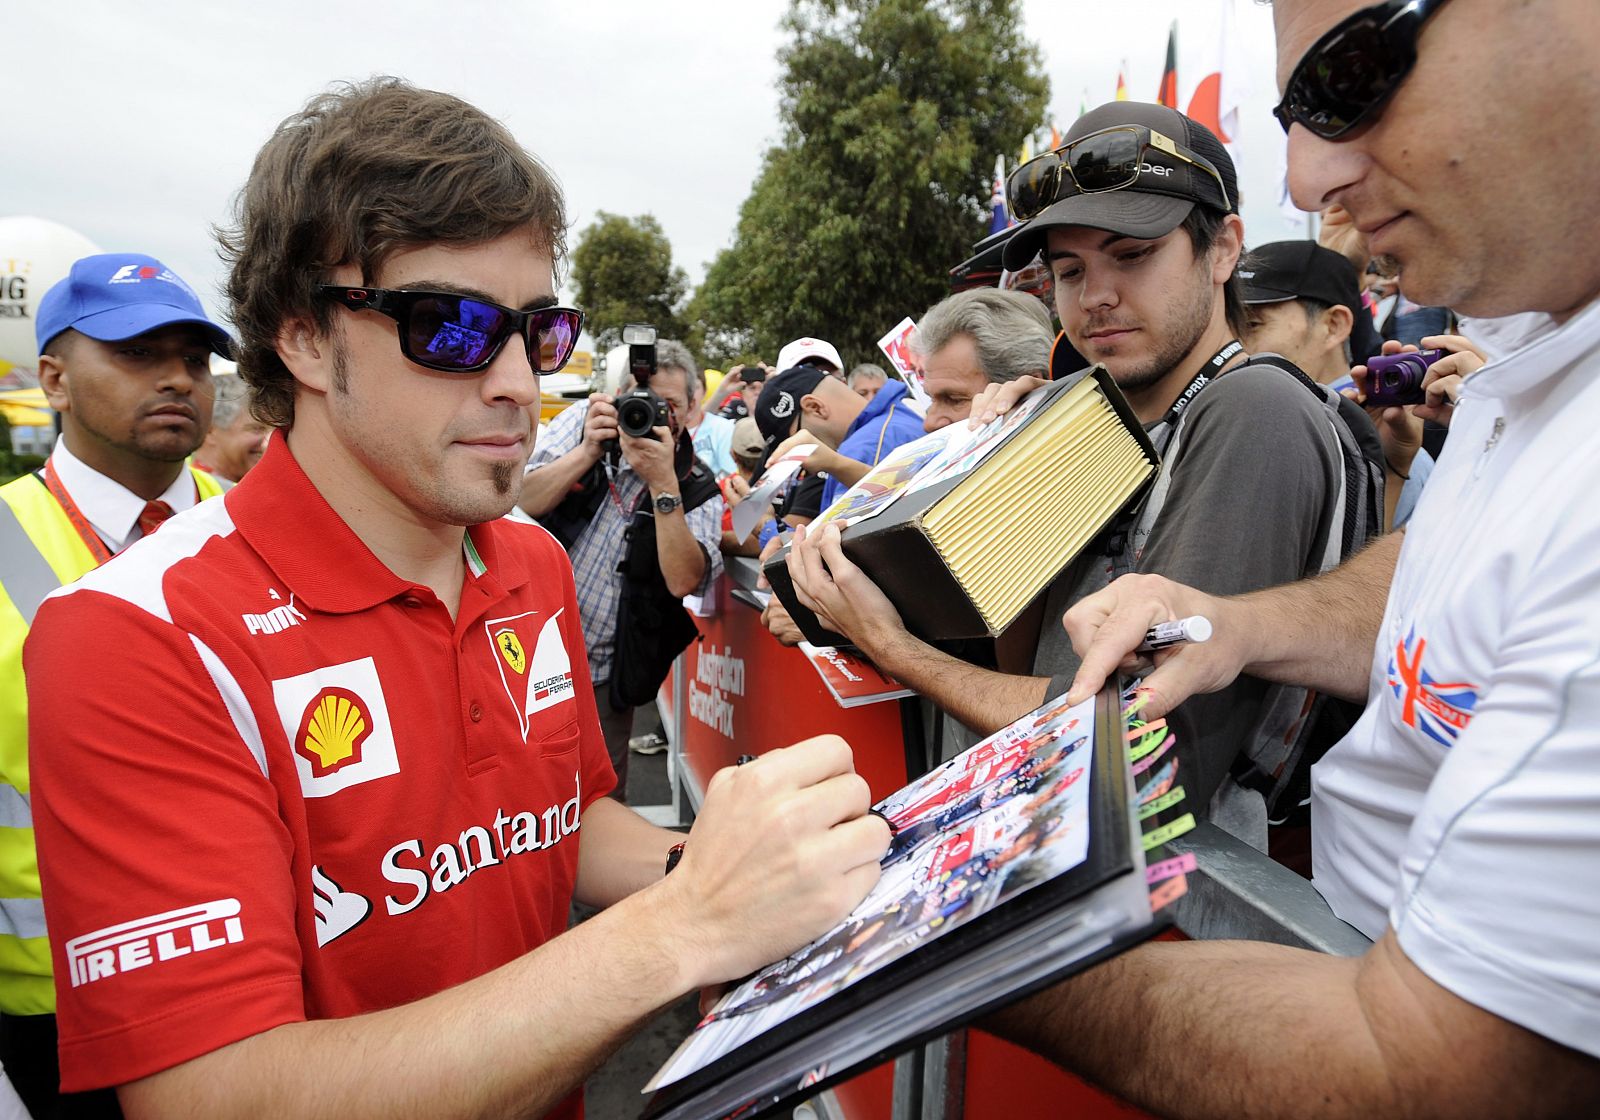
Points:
962	528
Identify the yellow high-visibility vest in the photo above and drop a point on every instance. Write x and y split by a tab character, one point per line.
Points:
40	550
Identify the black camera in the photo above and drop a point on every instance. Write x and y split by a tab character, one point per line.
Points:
640	412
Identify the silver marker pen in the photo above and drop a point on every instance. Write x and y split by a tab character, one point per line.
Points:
1195	628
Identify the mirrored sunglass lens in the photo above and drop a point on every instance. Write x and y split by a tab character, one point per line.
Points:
555	334
1031	187
454	333
1105	162
1346	79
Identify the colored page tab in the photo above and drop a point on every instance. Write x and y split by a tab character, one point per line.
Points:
1160	783
1158	836
1151	759
1167	868
1147	744
1169	892
1165	801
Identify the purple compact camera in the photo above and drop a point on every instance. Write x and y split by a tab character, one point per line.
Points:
1396	379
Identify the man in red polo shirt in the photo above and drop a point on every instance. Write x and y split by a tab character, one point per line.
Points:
314	762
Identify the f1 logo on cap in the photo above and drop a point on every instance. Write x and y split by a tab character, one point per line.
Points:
133	273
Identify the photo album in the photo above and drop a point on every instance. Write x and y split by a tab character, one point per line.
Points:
1013	865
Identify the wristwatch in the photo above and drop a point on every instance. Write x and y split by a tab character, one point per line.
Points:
666	503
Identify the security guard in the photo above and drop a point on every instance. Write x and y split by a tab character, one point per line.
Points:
125	351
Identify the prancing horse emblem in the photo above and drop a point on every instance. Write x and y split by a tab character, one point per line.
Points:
510	647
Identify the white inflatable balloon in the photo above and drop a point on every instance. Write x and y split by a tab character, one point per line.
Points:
616	369
34	255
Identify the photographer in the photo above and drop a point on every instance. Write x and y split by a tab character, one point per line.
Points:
642	523
1403	430
737	394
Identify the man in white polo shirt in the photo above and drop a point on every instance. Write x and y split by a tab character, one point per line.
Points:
1458	824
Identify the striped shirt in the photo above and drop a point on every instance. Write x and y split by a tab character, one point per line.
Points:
600	547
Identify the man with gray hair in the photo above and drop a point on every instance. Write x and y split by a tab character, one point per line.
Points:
645	503
976	338
866	379
237	440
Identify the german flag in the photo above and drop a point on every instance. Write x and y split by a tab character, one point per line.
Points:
1169	77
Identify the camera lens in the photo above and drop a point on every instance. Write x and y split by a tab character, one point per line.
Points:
636	416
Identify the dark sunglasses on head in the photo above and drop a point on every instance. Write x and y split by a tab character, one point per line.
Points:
1108	160
1350	72
459	334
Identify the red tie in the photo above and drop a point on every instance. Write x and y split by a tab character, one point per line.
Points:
152	517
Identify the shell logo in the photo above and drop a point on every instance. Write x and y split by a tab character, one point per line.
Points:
332	731
510	647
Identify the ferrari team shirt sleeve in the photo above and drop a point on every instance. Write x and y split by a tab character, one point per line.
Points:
166	868
1495	900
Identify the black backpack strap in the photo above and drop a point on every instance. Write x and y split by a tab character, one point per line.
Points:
572	515
1363	506
1297	726
1278	361
698	487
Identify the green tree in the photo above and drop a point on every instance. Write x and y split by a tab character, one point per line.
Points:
622	272
893	112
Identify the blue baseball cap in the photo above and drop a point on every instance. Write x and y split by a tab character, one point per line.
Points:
116	296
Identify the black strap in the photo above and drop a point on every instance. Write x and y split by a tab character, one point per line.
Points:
1208	373
572	515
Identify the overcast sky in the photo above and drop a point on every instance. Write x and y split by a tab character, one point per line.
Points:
135	123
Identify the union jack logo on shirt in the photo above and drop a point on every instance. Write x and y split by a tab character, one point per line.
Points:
1441	710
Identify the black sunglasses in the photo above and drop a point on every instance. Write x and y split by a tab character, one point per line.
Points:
1350	72
459	334
1108	160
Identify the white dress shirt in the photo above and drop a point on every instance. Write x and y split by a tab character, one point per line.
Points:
112	509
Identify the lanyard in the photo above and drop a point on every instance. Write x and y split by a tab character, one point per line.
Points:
1208	373
91	539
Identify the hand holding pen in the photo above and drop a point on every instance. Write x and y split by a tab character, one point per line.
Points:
1164	635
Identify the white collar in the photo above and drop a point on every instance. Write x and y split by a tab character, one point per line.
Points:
112	509
1544	351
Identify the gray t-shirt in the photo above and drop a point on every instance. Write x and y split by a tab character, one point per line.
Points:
1254	482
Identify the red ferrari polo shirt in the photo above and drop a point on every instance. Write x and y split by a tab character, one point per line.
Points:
273	781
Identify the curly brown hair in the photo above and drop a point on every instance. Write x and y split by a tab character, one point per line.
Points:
362	172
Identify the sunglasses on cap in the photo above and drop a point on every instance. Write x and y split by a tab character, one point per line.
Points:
459	334
1350	72
1109	160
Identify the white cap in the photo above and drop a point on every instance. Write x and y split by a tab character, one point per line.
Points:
802	348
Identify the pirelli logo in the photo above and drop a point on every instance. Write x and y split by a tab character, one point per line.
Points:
147	941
